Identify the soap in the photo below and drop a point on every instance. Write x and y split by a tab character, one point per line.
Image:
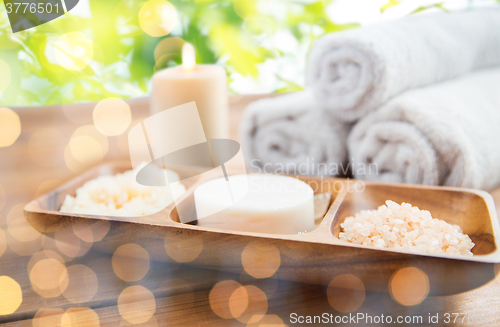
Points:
261	203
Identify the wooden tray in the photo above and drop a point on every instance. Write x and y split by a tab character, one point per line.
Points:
315	257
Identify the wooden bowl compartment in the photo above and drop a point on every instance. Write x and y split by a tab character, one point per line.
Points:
467	209
53	200
315	257
187	205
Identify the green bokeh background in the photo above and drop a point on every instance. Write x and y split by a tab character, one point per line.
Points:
230	33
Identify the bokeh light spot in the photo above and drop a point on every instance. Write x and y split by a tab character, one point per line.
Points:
11	295
267	285
168	52
268	321
238	302
23	248
19	228
260	260
73	50
112	116
86	147
246	9
3	242
136	304
183	248
409	286
22	231
84	231
45	254
92	232
256	308
39	257
69	244
10	127
46	147
77	113
73	164
3	197
171	46
49	277
346	293
157	17
80	317
219	298
21	237
6	75
130	262
82	284
47	186
48	317
93	132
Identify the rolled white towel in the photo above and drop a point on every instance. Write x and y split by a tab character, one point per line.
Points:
356	71
445	134
290	134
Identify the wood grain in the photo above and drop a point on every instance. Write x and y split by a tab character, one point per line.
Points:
177	305
327	255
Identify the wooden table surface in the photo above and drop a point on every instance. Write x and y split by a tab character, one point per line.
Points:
36	162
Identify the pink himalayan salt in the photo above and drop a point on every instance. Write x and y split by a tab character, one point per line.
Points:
405	227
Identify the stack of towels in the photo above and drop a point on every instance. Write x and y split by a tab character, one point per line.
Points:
411	101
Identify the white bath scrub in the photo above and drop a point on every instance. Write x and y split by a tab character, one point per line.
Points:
256	203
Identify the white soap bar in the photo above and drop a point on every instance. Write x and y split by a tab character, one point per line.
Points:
256	203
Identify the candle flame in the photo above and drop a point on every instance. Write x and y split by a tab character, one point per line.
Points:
188	57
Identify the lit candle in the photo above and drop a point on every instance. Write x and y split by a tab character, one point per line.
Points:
204	84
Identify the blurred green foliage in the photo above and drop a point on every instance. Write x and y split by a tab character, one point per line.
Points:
238	34
231	33
389	4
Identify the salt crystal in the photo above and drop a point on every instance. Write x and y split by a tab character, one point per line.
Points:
405	227
365	232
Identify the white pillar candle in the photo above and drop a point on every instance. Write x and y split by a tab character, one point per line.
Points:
256	203
204	84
